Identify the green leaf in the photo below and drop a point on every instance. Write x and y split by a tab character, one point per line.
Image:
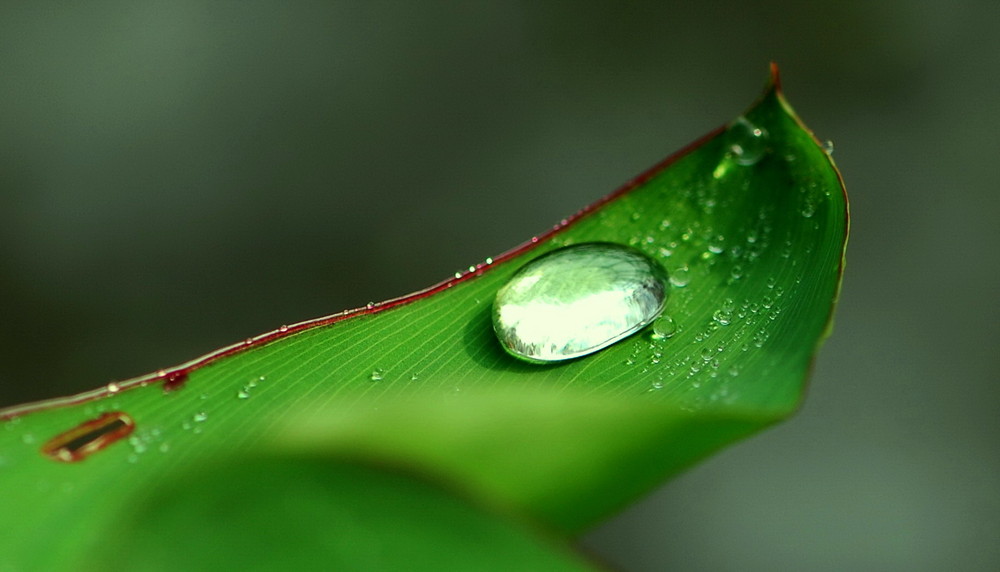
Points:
751	224
297	513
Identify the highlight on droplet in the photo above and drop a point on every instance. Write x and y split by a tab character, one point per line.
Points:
89	437
576	300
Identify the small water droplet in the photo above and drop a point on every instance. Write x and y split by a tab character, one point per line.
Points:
576	300
722	317
283	328
808	208
828	147
243	393
138	445
664	327
113	387
199	417
377	375
748	142
680	277
164	447
717	244
414	376
89	437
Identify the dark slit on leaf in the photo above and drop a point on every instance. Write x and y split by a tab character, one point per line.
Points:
88	437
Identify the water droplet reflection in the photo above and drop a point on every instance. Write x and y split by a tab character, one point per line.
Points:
577	300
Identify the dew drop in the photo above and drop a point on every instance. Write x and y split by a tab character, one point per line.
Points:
283	328
748	142
722	317
717	244
576	300
89	437
243	394
680	277
199	417
138	445
113	387
377	375
808	207
736	273
664	327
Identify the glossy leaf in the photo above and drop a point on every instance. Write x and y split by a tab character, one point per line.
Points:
751	225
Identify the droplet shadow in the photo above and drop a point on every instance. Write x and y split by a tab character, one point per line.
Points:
480	343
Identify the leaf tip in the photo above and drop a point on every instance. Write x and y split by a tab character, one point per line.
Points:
774	82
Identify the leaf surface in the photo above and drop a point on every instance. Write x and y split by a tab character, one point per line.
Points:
313	513
751	225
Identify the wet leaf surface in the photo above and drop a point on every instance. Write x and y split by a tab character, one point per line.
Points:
750	224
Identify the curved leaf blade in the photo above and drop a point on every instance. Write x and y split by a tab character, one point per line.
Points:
752	228
307	513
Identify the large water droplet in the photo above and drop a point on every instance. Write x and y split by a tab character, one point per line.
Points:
576	300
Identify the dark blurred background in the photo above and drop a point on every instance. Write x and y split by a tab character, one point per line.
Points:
179	175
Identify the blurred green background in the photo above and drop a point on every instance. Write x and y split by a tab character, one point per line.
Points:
179	175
